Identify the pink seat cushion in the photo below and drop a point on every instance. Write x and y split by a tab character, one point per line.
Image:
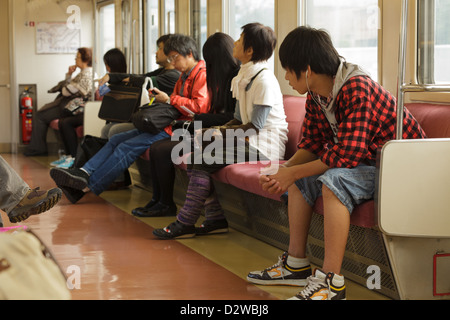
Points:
294	108
244	176
54	124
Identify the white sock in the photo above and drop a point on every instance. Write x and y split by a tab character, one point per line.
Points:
85	171
338	280
297	263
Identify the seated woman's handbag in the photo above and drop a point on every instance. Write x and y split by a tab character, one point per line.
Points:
154	118
122	101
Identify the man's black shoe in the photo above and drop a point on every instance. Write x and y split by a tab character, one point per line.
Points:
158	210
72	178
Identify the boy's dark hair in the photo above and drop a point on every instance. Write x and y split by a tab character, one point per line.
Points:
182	44
261	38
305	46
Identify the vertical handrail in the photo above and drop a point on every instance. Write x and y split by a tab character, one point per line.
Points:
402	68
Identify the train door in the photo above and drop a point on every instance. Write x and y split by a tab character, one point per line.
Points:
5	102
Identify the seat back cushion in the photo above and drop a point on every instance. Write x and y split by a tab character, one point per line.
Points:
434	118
294	108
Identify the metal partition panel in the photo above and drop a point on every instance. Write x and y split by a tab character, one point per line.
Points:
414	188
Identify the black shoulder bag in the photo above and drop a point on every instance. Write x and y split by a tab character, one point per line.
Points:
154	118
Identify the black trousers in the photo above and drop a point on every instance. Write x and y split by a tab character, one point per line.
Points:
162	170
68	133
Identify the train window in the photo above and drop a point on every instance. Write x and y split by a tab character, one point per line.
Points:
151	33
434	42
169	14
353	26
241	13
106	33
244	12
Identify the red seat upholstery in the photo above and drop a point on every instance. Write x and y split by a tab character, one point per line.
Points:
434	118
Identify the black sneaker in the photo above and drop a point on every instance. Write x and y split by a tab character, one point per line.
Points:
72	178
281	274
158	210
73	195
212	227
176	230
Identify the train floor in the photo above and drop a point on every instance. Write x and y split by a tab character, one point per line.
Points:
119	258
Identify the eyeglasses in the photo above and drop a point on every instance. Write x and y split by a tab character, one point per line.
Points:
171	59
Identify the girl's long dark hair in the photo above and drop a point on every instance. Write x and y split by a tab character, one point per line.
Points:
221	67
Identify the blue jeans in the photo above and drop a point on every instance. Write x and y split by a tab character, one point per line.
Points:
116	156
351	186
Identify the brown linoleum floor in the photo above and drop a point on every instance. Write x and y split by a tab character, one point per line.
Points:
119	258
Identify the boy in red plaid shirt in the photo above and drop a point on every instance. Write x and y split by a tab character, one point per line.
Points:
348	119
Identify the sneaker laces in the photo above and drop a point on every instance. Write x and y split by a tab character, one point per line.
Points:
314	283
280	263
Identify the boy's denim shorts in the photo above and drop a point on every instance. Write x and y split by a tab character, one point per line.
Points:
351	186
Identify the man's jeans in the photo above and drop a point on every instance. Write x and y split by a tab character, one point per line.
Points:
116	156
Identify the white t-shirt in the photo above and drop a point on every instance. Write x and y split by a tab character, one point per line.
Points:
264	91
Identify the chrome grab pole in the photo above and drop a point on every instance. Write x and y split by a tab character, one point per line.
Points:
401	71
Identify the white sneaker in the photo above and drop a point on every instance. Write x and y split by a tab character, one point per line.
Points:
323	286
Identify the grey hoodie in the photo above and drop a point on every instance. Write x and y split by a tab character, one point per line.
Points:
345	72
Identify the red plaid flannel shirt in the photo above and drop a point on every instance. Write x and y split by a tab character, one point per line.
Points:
366	114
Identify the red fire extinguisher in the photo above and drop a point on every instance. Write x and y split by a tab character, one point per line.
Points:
26	113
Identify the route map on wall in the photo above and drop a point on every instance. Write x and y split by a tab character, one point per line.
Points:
56	38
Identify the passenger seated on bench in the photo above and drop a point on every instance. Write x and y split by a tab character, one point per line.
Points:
163	78
123	149
69	89
114	61
221	68
348	118
259	125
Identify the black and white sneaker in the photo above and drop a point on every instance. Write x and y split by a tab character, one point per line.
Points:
72	178
323	286
176	230
281	274
210	227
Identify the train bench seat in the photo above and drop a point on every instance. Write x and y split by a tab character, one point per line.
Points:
245	176
434	118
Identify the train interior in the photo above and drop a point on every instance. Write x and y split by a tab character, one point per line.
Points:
399	242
